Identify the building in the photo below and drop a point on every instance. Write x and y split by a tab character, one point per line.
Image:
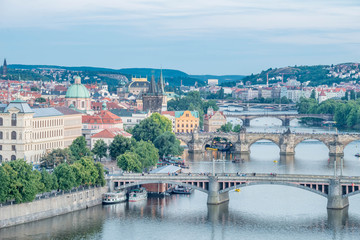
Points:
213	82
78	96
107	135
4	69
130	117
30	133
155	100
72	124
171	116
213	120
136	86
186	121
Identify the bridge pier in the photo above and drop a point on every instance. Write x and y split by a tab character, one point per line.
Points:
335	197
286	122
218	212
110	184
246	122
337	218
214	197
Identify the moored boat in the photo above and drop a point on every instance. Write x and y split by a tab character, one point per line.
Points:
136	195
182	190
114	197
357	155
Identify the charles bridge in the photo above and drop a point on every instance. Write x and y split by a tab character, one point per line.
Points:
286	141
336	189
285	118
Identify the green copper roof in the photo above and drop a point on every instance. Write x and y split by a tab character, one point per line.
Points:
180	113
77	91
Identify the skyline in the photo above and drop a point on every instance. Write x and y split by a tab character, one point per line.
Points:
197	37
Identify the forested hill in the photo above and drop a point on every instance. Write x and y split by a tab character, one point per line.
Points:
315	75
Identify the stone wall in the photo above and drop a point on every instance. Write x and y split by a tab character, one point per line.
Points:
45	208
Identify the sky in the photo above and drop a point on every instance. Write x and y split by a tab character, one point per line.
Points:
220	37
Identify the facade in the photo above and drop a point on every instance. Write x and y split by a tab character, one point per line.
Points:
213	82
30	133
130	117
137	86
186	121
72	124
213	120
107	135
171	116
78	96
155	100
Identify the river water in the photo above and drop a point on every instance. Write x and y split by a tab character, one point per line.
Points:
256	212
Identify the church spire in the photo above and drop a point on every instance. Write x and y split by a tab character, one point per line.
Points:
4	68
152	87
161	83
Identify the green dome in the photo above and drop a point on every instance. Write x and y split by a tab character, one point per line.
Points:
77	91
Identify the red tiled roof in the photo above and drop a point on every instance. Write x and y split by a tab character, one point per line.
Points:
111	133
171	113
101	118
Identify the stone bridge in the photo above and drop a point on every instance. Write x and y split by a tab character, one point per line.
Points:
286	141
335	189
285	118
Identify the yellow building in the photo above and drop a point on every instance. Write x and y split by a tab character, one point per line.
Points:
186	121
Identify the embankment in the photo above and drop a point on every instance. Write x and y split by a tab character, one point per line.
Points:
11	215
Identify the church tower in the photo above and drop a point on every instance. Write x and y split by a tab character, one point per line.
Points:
4	68
155	99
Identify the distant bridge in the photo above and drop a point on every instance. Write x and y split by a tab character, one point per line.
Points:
285	118
247	106
286	141
335	189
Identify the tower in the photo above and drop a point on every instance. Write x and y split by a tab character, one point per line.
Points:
4	68
155	99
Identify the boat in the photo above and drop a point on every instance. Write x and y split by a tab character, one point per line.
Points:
136	195
210	148
357	155
114	197
182	190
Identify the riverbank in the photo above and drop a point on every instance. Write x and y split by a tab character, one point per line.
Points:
62	203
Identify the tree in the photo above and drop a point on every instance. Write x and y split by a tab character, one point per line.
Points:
91	173
149	128
100	149
79	149
147	152
79	173
56	157
101	178
129	161
65	176
168	144
40	100
237	128
120	145
313	94
47	180
4	186
227	127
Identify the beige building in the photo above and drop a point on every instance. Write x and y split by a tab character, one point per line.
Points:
186	121
30	133
213	120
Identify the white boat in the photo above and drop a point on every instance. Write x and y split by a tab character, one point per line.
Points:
137	195
114	197
182	190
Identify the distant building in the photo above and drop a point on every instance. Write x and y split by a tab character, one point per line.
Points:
78	97
30	133
213	120
107	135
171	116
137	86
155	100
213	82
130	117
186	121
4	68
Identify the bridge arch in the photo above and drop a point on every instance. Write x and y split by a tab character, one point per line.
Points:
281	120
275	183
132	184
300	139
254	140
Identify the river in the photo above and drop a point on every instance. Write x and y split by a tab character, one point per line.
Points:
256	212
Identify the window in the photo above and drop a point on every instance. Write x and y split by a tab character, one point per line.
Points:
13	135
83	104
13	147
187	115
1	135
1	121
0	147
13	157
0	158
13	119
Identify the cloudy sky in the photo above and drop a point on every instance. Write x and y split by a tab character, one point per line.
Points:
195	36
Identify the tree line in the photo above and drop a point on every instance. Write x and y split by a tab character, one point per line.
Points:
21	183
346	113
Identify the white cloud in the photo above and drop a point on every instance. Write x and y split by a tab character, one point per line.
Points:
192	17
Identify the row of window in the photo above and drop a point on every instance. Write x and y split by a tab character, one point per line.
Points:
13	135
47	134
185	131
13	120
187	125
13	157
47	123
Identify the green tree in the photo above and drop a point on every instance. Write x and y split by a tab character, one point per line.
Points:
120	145
313	94
79	173
65	176
47	180
149	128
168	144
91	173
227	127
40	100
237	128
5	185
147	152
56	157
129	161
100	149
79	149
101	178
